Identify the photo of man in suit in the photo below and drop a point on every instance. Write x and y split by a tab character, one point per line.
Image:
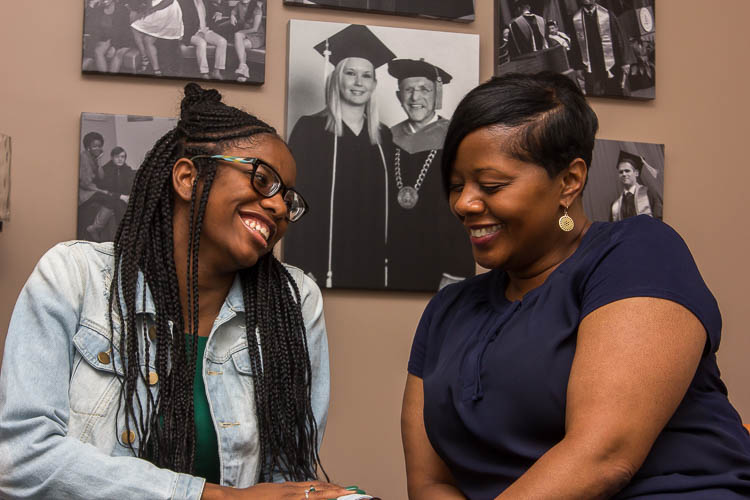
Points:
635	198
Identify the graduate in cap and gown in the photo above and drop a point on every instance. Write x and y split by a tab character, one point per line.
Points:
343	154
427	245
635	198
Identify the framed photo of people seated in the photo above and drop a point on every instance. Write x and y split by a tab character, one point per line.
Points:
190	39
626	179
368	108
112	148
5	154
451	10
606	46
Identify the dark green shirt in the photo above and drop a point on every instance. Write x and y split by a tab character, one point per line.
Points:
207	445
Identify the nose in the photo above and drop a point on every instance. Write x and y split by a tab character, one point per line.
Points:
275	204
468	202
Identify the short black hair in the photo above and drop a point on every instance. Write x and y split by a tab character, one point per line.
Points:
551	121
117	150
91	137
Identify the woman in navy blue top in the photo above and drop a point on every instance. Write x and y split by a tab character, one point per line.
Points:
583	365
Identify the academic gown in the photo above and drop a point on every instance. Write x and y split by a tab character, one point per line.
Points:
425	241
358	249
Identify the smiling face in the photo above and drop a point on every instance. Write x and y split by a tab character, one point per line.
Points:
509	207
240	226
628	174
95	148
356	81
417	96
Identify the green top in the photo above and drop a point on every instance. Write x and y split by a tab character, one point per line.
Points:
206	443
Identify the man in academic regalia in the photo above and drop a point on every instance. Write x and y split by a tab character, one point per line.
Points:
635	199
426	243
600	52
526	32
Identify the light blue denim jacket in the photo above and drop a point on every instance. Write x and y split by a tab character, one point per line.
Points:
60	433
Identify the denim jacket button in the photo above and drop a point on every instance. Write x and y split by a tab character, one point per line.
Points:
152	333
153	378
128	437
103	357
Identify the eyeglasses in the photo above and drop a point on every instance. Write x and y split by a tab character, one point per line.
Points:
267	182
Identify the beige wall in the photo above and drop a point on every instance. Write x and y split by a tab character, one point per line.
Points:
700	112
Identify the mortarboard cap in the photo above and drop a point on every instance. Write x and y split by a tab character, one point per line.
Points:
634	160
355	40
408	68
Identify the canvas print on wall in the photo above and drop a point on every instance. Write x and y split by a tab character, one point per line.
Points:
368	109
625	179
112	149
4	179
452	10
606	46
208	39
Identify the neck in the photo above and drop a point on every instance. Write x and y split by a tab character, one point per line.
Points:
417	126
353	115
213	286
523	281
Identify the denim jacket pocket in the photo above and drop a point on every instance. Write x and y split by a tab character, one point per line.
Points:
241	360
94	386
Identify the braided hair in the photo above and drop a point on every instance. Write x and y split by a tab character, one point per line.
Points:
164	422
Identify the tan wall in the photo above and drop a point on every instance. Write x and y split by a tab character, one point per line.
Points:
700	112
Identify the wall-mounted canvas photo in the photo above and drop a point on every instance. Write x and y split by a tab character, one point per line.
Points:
625	179
112	148
5	153
367	112
191	39
451	10
606	46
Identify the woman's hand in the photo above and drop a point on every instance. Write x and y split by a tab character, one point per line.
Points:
316	490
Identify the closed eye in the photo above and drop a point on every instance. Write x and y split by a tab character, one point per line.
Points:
455	188
492	188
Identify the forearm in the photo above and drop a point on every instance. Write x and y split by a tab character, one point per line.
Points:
435	491
572	470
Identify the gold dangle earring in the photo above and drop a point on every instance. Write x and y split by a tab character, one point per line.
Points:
566	221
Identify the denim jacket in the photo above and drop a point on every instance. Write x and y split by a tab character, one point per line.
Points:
61	435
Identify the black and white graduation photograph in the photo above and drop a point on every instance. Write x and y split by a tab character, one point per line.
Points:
625	179
606	46
367	112
451	10
190	39
5	154
111	150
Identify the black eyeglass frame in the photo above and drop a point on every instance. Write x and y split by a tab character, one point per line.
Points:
280	186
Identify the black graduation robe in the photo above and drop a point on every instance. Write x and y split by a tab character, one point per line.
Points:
428	240
358	237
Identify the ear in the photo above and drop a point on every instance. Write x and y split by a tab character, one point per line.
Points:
573	179
184	175
398	95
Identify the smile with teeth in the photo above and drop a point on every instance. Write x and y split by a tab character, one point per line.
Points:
258	227
484	231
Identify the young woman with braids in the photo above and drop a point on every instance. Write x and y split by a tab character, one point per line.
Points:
211	361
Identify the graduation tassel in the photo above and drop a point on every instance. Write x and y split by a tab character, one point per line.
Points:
326	58
438	90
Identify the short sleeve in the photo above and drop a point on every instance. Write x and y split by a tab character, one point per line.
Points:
421	339
645	257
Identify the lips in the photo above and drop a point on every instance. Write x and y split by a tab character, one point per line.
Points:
262	228
481	235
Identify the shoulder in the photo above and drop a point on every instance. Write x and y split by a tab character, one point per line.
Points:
308	288
471	291
314	121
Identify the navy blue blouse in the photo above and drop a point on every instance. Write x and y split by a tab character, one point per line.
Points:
495	372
